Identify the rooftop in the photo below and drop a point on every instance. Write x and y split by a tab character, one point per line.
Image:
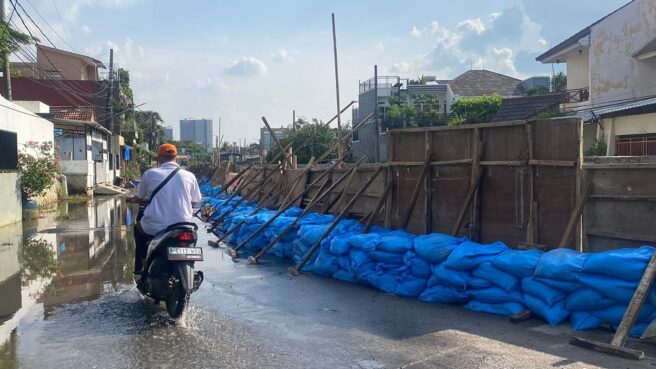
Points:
88	59
81	113
484	82
524	107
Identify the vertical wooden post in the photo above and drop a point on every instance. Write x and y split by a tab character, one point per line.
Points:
415	193
389	181
477	153
428	187
531	226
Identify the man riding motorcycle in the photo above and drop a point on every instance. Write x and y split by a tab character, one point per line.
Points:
169	193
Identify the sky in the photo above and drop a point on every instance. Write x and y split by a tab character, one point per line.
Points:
241	60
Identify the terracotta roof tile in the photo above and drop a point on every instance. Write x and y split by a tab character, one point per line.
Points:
82	113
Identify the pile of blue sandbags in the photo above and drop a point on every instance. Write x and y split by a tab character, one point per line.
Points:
562	284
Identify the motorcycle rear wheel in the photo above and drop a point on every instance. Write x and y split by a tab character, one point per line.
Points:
177	303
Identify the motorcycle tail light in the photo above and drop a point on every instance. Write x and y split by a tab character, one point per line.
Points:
186	237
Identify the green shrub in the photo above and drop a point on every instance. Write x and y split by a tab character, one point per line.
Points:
37	168
477	109
598	148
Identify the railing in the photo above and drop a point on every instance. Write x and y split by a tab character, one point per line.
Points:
575	96
383	82
639	146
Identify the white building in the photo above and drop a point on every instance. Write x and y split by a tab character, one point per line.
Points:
611	78
18	125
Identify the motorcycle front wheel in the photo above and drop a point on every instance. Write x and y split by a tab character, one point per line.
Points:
177	303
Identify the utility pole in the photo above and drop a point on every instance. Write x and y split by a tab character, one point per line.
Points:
109	121
219	142
5	65
377	125
294	120
339	119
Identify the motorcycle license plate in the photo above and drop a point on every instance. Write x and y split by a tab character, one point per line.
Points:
186	253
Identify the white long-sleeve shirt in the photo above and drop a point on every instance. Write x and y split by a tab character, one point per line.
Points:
173	203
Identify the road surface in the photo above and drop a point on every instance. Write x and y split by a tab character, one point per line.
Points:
75	306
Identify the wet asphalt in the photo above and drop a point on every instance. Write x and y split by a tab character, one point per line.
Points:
67	300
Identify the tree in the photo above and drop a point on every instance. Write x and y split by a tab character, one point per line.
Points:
537	90
151	130
475	109
424	112
11	40
559	82
320	139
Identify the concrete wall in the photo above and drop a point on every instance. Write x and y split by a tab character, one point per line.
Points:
623	126
615	72
70	67
79	175
578	69
28	127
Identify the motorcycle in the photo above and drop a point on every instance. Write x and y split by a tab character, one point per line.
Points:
169	274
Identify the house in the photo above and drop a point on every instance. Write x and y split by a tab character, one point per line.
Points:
18	125
374	98
611	79
526	107
58	64
82	145
61	78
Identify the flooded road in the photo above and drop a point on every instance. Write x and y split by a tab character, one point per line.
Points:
67	300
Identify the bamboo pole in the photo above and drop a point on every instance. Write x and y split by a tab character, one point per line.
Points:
307	209
297	269
466	203
377	209
275	138
415	192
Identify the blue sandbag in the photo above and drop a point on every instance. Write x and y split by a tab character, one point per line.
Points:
396	243
345	275
452	278
361	265
385	282
502	279
311	233
364	241
518	263
627	264
410	286
444	295
619	290
325	264
316	218
478	283
470	254
613	315
541	291
503	309
554	313
561	265
344	262
418	267
339	246
583	320
587	299
387	257
434	248
496	295
563	286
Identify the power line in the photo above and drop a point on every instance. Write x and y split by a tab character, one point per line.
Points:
49	26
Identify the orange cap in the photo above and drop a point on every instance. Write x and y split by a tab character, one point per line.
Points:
167	150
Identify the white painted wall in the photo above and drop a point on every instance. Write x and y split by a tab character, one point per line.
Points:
578	70
28	127
615	73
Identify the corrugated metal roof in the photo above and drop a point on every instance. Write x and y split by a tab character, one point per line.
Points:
628	107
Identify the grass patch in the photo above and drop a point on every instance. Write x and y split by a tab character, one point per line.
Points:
75	199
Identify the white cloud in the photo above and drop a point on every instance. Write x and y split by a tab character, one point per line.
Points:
414	32
475	25
379	46
505	63
434	27
247	67
281	55
86	29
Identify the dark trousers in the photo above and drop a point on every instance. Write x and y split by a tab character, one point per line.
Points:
141	241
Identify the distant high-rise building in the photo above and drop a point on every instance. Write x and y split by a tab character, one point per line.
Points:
168	132
197	130
266	142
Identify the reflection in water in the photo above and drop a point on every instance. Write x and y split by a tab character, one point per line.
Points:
39	272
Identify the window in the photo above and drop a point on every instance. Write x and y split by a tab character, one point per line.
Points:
8	151
53	74
635	145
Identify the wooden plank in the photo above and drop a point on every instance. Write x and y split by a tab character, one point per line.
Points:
465	205
530	227
510	163
619	166
432	163
576	214
377	208
428	188
275	139
553	163
607	348
477	154
342	196
462	127
415	193
620	235
624	197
